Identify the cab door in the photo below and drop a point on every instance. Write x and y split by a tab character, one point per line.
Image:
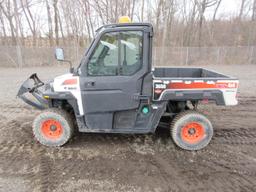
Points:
112	79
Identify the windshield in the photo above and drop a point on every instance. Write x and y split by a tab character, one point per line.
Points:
98	31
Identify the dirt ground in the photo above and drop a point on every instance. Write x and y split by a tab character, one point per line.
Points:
107	162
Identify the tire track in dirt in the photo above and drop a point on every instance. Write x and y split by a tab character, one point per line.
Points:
235	173
12	111
20	148
238	136
18	132
168	173
247	100
195	171
47	177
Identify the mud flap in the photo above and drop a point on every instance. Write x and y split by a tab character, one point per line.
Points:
31	94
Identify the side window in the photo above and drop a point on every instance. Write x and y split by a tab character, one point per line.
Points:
117	53
104	60
131	52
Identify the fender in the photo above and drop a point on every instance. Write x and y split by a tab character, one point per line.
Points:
40	95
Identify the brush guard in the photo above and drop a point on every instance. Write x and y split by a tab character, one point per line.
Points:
31	94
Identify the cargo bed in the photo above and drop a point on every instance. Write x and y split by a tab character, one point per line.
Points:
186	73
194	84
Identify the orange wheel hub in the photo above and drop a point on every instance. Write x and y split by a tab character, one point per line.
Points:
192	132
51	129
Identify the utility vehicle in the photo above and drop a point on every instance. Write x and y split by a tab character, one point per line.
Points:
116	90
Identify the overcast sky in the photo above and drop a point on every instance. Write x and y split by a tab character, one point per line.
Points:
228	8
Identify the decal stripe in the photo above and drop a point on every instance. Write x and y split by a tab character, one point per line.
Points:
70	82
203	85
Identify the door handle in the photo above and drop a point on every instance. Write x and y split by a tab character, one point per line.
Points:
142	97
89	83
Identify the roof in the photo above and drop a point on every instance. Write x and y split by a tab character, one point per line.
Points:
126	25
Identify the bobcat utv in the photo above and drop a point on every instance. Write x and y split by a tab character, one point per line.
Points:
115	90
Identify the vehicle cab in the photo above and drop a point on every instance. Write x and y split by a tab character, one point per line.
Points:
116	79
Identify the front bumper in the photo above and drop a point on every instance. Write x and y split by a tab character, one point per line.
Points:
31	92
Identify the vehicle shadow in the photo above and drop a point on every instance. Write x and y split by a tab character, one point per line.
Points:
162	134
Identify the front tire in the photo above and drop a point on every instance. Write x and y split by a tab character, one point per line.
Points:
191	130
53	127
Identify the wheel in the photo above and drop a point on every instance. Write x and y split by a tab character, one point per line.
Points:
191	130
53	127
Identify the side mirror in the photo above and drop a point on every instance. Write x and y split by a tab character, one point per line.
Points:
72	70
59	54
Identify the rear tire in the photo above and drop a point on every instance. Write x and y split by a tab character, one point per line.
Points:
191	130
53	127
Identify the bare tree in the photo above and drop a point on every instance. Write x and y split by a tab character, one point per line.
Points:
168	16
254	11
86	10
158	16
55	7
31	20
19	56
61	27
4	39
188	20
216	10
49	17
176	22
241	9
7	10
202	5
142	10
132	9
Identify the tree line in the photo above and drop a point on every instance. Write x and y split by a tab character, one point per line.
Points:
176	23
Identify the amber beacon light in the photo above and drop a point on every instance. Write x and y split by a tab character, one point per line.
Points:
124	19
